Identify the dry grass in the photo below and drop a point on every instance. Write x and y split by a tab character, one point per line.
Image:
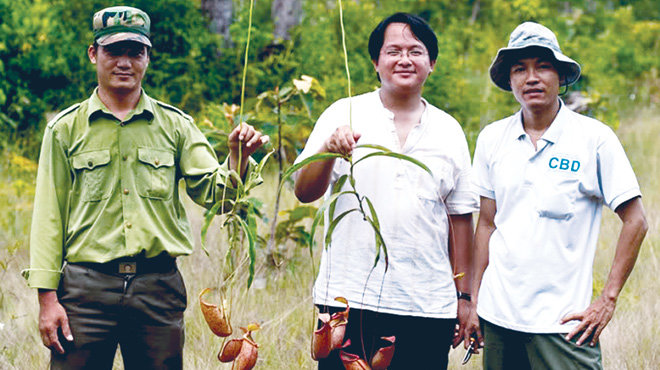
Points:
281	298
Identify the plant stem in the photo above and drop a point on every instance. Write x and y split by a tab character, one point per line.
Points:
245	65
273	226
348	72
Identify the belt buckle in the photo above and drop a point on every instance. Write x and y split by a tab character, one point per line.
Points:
127	267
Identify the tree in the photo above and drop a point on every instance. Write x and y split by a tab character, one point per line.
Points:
285	14
220	14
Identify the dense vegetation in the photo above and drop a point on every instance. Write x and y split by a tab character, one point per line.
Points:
44	66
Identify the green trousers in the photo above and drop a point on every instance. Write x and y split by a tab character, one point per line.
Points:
510	349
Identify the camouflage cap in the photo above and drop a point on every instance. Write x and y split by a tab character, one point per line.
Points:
121	23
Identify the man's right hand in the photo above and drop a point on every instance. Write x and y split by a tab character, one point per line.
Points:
473	330
342	141
52	316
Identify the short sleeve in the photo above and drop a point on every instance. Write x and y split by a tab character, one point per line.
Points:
463	198
481	169
616	177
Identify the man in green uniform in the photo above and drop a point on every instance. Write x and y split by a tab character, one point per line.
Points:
108	221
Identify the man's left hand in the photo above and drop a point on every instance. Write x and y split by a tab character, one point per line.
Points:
246	140
592	320
246	136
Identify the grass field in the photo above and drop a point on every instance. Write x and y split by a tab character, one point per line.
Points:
280	300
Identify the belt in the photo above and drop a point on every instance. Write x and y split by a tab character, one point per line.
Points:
135	265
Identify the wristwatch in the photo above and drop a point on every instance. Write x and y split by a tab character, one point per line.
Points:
463	295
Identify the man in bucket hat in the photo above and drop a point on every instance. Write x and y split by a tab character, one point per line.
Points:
543	175
108	222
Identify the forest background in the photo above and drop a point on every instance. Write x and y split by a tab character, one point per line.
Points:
197	64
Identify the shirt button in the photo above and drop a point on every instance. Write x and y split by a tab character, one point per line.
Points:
124	158
90	163
156	162
122	124
129	225
126	191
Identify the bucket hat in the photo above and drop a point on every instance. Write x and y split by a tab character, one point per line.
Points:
531	35
121	23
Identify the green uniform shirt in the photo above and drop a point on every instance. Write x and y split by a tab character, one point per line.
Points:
108	189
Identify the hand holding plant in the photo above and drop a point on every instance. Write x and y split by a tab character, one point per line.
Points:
342	141
243	141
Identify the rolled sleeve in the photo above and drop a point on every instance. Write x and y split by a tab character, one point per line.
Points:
207	181
49	215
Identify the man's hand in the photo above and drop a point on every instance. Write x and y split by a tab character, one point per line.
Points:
342	141
592	320
51	317
247	140
314	178
472	331
461	333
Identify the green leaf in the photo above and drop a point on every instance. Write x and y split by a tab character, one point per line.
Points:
240	188
373	146
208	218
301	212
315	158
252	252
256	172
339	183
319	215
374	216
398	156
335	189
334	223
380	242
10	122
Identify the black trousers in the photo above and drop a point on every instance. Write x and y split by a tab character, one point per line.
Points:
143	314
421	342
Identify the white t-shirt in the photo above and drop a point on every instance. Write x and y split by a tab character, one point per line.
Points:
410	208
549	205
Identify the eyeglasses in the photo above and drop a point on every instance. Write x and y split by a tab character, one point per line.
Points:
399	53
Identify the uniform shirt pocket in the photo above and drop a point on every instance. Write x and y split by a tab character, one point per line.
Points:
93	169
156	173
556	197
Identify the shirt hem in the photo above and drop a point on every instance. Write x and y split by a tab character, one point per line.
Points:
392	311
527	329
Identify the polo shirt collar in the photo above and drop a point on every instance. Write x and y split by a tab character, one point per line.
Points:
144	108
550	135
553	132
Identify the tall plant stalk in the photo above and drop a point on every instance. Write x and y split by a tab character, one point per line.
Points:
273	227
245	65
241	217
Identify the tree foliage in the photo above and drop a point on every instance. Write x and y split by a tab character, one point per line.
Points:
44	66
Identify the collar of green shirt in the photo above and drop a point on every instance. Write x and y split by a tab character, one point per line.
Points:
144	108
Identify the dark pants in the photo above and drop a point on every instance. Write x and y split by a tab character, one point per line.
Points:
421	343
510	349
142	313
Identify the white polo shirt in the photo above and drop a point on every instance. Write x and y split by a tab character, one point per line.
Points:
409	203
549	204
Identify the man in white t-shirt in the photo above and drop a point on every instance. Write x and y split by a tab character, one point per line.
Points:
543	175
416	298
